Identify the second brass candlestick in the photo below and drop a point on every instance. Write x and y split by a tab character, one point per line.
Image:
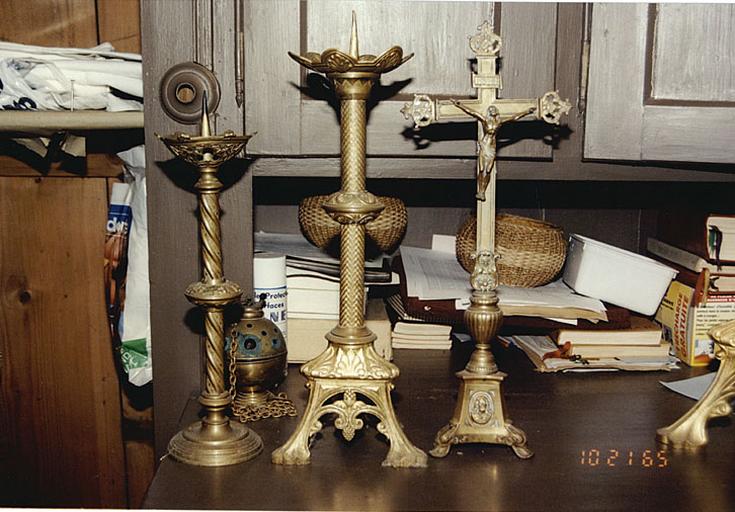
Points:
350	379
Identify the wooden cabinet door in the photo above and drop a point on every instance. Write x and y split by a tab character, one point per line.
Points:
60	440
661	85
296	115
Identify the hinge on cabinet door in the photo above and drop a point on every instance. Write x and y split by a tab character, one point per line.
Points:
239	55
239	73
585	65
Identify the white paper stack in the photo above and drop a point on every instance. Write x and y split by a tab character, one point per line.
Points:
421	336
436	275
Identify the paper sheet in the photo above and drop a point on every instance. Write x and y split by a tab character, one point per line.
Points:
536	346
692	388
296	245
436	275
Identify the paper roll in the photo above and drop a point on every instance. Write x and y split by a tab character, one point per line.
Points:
269	277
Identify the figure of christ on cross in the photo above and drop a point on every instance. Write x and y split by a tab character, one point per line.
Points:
486	145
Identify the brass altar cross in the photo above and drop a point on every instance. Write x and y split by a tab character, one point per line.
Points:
479	415
491	112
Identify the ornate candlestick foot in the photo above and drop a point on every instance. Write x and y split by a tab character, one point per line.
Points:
206	444
690	431
349	381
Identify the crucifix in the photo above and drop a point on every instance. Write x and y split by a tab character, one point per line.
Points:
478	416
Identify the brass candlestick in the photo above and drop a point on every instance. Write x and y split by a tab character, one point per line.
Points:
349	378
690	431
214	440
479	414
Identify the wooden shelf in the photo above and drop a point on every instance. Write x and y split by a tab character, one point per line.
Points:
563	415
44	122
561	169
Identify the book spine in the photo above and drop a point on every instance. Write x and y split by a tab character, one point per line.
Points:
679	256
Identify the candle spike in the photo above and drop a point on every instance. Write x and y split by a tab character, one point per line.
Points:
354	45
205	131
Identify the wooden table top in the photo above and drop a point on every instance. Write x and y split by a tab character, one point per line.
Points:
593	436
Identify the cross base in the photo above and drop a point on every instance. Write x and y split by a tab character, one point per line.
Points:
478	417
349	380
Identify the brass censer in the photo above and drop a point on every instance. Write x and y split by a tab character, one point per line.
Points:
214	440
350	379
258	363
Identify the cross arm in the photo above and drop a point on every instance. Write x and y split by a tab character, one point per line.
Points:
424	110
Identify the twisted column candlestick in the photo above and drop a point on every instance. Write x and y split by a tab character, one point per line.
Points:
209	228
214	440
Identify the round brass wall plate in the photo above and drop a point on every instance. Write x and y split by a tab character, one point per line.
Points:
182	88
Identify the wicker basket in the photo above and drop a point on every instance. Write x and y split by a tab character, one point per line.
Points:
386	230
531	251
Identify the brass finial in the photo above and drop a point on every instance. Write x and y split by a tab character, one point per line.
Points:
205	131
354	49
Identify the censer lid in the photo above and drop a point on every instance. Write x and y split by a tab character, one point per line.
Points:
252	308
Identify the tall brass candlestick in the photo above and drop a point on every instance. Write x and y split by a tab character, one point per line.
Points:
350	369
214	440
479	413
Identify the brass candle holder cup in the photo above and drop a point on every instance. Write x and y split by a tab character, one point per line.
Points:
214	440
349	378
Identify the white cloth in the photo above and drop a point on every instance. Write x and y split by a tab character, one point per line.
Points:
45	78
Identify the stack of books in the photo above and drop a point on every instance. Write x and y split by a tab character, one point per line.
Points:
642	339
701	246
312	301
421	336
306	336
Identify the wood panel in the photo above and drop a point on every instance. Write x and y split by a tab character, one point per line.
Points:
692	64
118	22
271	77
563	168
704	134
527	66
94	165
50	22
61	400
172	228
621	123
436	32
616	59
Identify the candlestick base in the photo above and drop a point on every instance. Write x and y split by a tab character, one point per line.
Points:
349	379
690	431
206	444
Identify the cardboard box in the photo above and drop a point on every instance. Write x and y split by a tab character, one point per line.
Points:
686	321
